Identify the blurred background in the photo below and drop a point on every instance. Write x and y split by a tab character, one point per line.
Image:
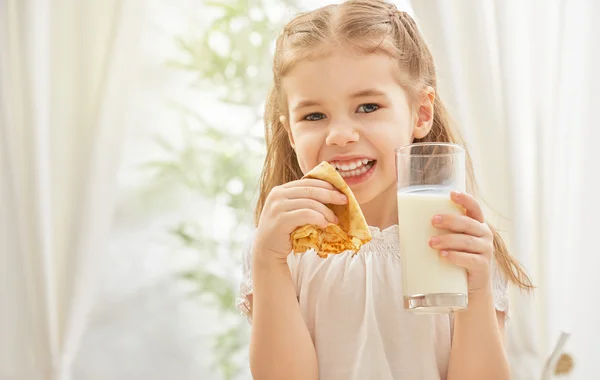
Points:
131	142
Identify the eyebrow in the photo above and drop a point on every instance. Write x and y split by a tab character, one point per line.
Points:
360	94
304	104
367	92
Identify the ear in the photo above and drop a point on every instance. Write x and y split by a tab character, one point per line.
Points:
284	121
425	112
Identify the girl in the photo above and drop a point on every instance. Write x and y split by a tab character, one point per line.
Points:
352	82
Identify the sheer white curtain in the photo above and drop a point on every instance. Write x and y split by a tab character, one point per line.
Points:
521	80
65	66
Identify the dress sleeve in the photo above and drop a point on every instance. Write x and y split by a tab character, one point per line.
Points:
246	286
499	288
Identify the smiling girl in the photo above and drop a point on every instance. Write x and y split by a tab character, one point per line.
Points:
353	82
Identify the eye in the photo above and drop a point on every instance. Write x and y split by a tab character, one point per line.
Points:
367	108
316	116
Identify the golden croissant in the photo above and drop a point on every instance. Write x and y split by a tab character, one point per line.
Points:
349	234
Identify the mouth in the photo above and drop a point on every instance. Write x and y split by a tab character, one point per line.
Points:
355	168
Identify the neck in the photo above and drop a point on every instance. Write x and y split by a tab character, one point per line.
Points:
382	211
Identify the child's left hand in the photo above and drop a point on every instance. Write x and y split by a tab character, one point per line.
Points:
469	243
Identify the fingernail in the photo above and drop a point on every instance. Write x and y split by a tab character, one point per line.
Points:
337	220
434	240
456	194
437	219
343	197
444	253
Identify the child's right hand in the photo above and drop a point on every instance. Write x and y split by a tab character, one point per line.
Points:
288	207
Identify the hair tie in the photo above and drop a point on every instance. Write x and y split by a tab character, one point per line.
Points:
392	10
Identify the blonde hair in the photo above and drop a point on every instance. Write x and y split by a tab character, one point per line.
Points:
369	26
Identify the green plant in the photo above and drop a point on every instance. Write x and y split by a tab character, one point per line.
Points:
230	60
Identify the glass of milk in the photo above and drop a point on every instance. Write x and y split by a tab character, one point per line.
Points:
427	173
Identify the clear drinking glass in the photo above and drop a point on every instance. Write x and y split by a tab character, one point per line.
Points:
427	173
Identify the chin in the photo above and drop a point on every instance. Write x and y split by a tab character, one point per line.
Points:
365	195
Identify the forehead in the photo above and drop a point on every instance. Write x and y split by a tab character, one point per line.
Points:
340	72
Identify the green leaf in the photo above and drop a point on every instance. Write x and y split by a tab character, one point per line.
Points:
220	4
212	156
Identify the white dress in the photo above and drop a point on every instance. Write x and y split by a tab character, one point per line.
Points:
354	312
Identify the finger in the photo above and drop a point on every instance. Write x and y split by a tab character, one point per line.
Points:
301	217
459	224
473	263
296	204
322	195
470	204
459	242
309	182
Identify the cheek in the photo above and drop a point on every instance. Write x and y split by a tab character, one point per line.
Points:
307	146
389	138
389	166
386	141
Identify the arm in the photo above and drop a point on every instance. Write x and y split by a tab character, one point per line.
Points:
477	347
280	344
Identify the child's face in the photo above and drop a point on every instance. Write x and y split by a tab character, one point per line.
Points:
349	109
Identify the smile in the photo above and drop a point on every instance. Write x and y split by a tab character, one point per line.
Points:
355	170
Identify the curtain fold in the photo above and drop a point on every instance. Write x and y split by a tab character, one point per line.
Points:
519	79
65	69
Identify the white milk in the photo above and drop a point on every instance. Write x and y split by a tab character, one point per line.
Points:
424	272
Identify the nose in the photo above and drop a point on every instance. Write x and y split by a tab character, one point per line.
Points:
341	134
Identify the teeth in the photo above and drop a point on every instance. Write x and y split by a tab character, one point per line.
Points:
356	172
350	165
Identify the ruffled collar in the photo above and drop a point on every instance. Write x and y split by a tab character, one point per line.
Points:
387	235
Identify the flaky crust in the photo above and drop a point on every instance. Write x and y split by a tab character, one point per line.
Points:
349	234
